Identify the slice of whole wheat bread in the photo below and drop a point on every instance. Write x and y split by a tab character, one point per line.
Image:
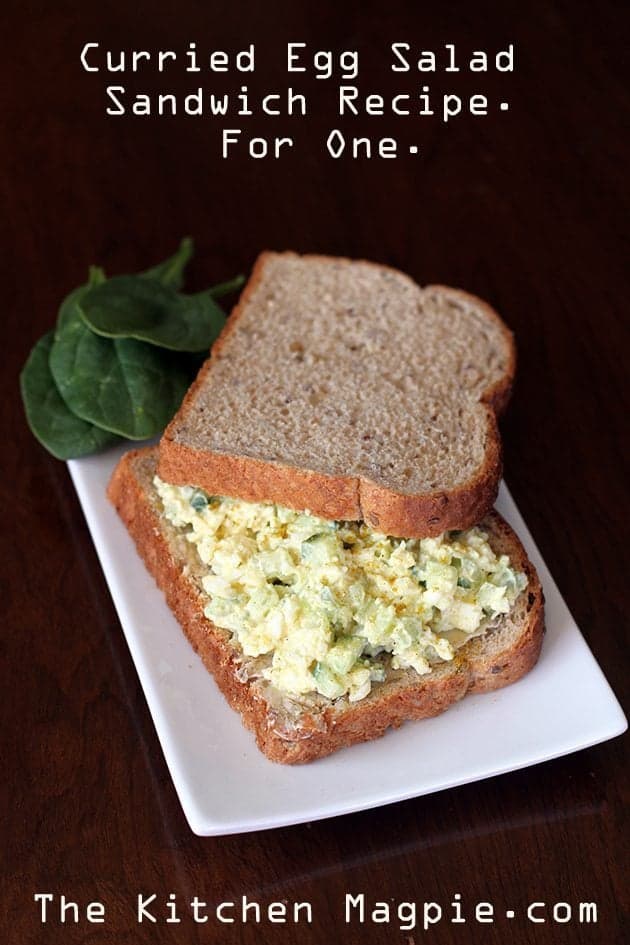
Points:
291	732
345	388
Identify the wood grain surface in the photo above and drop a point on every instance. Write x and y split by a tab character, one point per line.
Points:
528	209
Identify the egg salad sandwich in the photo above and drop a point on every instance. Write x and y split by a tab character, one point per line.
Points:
319	511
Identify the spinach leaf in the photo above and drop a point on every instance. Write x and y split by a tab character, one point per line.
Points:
55	426
120	385
171	271
226	288
83	387
129	307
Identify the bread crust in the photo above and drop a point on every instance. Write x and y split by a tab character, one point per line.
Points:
499	393
342	497
340	724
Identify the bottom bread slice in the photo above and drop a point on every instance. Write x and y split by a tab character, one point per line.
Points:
291	732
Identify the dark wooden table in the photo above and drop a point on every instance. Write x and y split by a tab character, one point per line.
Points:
527	208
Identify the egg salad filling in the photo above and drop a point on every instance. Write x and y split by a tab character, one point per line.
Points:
332	604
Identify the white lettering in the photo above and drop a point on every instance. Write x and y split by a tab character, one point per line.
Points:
505	59
141	105
562	912
112	64
219	106
323	64
267	107
355	902
478	105
137	55
427	61
397	49
398	109
484	912
84	61
347	95
243	97
277	912
163	101
588	912
44	899
95	912
196	904
349	63
530	911
171	906
431	913
69	910
220	912
479	61
111	91
452	106
219	61
450	47
294	99
230	136
293	57
245	59
246	906
303	906
425	106
457	906
374	104
191	54
193	103
360	147
380	913
407	916
163	55
142	912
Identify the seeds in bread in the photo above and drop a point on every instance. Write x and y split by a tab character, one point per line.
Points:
291	732
345	388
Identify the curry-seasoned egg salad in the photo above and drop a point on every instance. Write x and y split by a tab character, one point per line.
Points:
332	604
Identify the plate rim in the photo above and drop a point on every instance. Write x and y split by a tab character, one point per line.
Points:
200	821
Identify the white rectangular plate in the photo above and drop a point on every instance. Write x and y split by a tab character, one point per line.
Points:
226	786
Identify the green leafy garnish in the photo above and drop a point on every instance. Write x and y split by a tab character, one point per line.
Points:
120	385
171	271
121	357
129	307
226	288
51	421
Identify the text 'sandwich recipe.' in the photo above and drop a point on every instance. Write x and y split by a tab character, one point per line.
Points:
441	85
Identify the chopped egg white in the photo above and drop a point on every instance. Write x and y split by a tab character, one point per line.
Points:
333	603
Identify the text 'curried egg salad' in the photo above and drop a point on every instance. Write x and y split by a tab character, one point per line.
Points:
333	604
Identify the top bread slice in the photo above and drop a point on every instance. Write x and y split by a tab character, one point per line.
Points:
291	731
345	388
